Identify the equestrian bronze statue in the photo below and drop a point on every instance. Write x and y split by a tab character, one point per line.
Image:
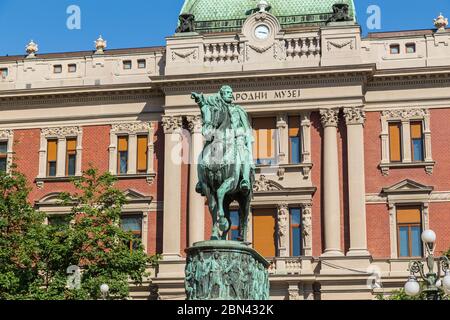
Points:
226	170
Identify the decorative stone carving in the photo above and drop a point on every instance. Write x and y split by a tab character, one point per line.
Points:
185	55
171	123
283	229
354	115
329	117
195	123
307	229
440	23
225	270
61	132
6	134
406	113
340	45
31	49
340	13
264	185
294	292
263	5
187	23
131	127
100	45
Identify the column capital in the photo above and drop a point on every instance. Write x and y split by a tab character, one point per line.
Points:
354	115
171	123
329	117
195	123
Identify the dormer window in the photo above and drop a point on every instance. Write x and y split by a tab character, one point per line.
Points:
410	48
72	68
395	49
142	64
4	72
57	68
127	65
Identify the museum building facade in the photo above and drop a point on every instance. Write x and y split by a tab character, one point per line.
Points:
351	139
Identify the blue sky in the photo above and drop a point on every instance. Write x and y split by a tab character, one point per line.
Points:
141	23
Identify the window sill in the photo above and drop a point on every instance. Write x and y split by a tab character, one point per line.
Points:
150	177
427	165
281	169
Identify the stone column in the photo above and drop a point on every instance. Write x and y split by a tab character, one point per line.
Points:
172	189
354	118
331	193
132	153
307	229
61	157
196	201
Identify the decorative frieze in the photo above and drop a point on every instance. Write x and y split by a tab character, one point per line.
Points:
60	132
405	113
264	185
354	116
171	124
329	117
131	127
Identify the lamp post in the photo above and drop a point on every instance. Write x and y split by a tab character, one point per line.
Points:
104	289
432	279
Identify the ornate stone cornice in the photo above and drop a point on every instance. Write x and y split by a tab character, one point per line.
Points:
195	123
354	116
131	127
329	117
61	132
171	123
405	113
5	133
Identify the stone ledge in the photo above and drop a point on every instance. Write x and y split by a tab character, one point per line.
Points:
428	165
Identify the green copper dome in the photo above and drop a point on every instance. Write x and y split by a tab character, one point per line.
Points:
229	15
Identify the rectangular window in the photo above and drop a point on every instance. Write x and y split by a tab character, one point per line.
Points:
133	224
395	49
52	151
122	155
71	156
3	155
127	65
409	231
296	232
295	148
264	131
395	141
417	141
58	221
57	68
4	72
72	68
410	48
234	230
264	232
142	64
142	154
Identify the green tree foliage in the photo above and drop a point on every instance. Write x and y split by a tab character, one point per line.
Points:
34	257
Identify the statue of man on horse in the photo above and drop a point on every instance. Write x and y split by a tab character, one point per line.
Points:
226	170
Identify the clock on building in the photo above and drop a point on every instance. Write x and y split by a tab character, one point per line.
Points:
262	32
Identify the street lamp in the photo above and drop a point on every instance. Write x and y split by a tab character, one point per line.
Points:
104	289
432	280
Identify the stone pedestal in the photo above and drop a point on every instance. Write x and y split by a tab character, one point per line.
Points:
225	270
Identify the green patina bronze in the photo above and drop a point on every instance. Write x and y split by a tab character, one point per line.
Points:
225	270
229	15
226	168
221	269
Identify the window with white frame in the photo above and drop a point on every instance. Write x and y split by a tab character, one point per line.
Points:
406	139
60	153
131	149
6	142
